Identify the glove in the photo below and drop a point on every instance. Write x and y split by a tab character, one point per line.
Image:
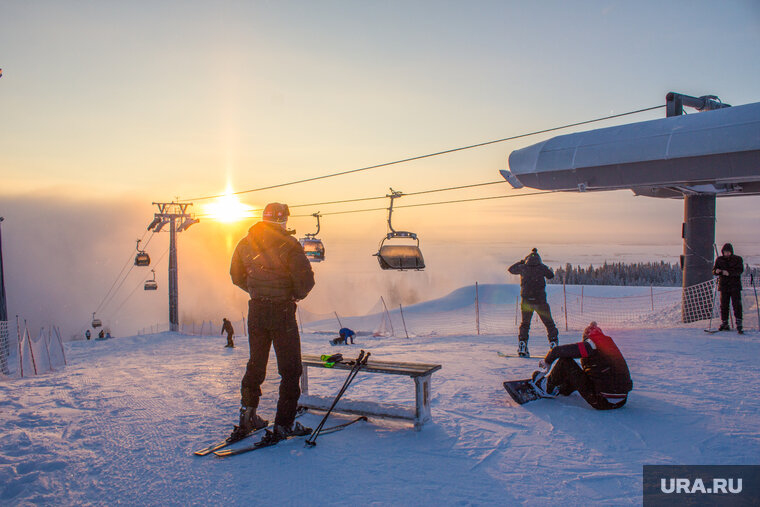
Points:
542	365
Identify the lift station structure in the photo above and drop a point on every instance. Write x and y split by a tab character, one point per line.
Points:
696	157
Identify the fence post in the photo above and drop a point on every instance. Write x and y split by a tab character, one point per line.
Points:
477	309
564	295
245	325
47	347
60	342
31	349
402	320
20	343
582	287
651	295
387	314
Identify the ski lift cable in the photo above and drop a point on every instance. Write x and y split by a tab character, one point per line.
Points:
106	301
360	199
435	203
428	155
129	260
118	308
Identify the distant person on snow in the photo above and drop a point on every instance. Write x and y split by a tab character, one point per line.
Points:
270	264
102	334
87	334
344	335
602	379
729	268
533	293
227	328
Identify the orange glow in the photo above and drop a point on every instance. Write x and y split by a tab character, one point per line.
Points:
228	208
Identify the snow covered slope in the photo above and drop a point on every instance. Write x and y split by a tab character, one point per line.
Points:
119	424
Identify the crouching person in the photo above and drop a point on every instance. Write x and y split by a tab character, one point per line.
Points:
602	379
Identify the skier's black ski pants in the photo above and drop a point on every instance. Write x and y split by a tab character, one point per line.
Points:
273	322
541	307
726	298
569	377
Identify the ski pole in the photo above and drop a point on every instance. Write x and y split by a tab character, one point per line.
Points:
757	304
360	361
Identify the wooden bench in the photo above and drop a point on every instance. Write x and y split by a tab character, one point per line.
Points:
420	372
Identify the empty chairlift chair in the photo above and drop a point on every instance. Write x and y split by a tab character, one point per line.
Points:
151	284
313	247
396	256
142	258
96	322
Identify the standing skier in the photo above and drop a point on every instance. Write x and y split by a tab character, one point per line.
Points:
533	293
227	328
87	334
270	264
602	379
729	268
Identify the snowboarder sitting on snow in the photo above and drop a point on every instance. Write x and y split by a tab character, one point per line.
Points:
227	328
533	293
345	334
102	335
602	379
270	264
729	268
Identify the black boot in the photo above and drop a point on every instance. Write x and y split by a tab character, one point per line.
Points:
279	432
249	421
724	327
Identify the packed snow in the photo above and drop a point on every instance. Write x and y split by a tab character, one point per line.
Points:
118	425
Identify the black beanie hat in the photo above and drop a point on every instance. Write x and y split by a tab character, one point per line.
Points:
727	247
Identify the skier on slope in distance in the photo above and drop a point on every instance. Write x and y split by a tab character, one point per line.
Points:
270	264
533	293
729	268
227	328
602	379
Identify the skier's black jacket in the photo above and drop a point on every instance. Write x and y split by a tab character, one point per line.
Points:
532	276
735	267
270	264
600	359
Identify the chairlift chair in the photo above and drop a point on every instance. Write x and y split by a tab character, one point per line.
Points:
142	258
313	247
96	322
151	284
400	257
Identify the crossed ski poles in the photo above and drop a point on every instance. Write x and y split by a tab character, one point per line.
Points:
360	361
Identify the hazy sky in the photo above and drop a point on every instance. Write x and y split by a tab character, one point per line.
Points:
108	106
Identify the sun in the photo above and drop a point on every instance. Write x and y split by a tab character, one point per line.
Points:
227	208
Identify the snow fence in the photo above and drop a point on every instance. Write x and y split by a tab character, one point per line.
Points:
495	309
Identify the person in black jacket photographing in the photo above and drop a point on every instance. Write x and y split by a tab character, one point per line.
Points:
271	266
729	268
533	274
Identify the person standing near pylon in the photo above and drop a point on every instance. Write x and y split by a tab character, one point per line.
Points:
729	268
271	266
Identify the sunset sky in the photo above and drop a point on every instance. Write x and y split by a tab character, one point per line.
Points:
109	106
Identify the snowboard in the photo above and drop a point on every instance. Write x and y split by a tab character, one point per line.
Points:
521	391
501	354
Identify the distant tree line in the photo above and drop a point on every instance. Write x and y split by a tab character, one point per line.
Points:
658	274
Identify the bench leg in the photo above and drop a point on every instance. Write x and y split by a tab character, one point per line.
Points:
305	380
422	401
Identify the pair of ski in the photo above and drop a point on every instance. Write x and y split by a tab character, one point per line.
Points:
218	448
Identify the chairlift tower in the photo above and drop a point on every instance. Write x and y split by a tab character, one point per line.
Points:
170	213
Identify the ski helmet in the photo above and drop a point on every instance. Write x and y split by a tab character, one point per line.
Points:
276	212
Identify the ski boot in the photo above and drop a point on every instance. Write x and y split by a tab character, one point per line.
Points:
279	432
739	327
553	343
540	382
522	348
724	327
249	421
